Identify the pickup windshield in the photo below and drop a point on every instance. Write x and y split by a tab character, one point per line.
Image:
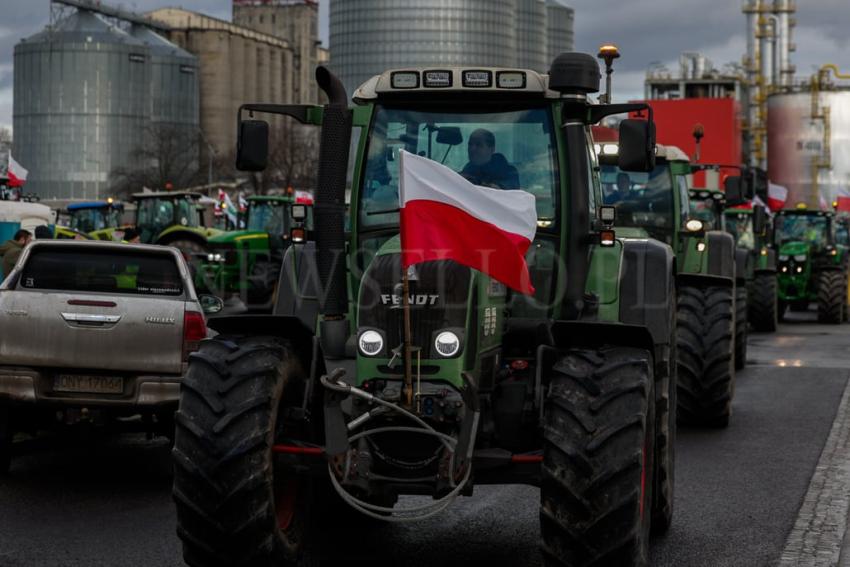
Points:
504	150
102	271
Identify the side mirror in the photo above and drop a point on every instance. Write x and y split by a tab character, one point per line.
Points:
210	304
637	145
299	212
734	191
759	219
449	135
252	146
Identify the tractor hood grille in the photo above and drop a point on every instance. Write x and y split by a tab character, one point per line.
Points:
439	293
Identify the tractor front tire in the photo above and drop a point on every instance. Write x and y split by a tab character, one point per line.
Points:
740	327
705	352
236	505
763	303
832	297
598	451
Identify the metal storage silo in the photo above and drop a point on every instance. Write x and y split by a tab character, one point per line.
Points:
532	47
369	36
559	29
80	100
809	155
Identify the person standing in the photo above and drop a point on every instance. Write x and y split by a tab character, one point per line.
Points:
11	249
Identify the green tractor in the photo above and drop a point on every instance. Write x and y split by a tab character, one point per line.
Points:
247	262
657	204
334	400
812	262
96	219
749	226
173	218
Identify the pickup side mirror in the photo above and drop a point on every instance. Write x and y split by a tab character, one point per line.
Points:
637	145
759	219
210	304
252	146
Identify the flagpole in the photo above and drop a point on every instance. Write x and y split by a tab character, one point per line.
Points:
405	299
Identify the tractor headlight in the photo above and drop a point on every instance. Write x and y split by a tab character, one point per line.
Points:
447	344
371	343
833	252
783	257
784	269
215	257
800	258
799	269
694	225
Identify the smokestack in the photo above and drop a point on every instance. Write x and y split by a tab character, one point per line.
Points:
785	22
767	45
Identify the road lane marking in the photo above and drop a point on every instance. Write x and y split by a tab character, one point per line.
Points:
817	536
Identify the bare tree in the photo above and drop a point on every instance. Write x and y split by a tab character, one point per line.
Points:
167	155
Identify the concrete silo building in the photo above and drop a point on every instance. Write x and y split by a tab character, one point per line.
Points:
560	22
370	36
532	51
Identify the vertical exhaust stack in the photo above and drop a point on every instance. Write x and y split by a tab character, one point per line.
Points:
784	10
329	211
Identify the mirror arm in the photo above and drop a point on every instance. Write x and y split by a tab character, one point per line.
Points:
599	111
300	112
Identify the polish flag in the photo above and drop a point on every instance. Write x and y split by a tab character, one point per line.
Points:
445	217
776	196
17	174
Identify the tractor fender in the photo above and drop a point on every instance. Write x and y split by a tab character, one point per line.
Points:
704	280
647	293
721	254
766	262
743	264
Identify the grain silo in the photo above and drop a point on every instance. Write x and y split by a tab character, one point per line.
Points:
532	50
559	28
369	36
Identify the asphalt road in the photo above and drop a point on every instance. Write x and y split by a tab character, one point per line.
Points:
738	491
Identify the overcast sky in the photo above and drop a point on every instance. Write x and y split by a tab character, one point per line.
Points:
646	31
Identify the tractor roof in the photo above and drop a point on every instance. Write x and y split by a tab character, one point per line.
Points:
93	205
271	198
473	81
809	212
166	195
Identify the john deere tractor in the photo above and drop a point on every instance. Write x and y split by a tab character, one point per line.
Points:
247	262
284	419
749	227
657	204
812	264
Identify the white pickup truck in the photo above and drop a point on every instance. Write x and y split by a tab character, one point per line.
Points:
94	331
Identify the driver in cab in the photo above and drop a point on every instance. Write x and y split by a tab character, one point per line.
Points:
623	192
487	167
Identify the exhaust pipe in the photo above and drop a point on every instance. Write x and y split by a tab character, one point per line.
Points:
329	211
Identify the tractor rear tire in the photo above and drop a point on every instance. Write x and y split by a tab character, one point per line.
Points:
599	432
832	297
763	303
740	327
663	494
236	505
705	353
6	436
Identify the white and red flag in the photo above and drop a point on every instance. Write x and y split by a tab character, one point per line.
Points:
17	174
445	217
777	195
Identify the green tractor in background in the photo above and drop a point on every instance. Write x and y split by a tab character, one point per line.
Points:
247	262
812	259
750	227
657	204
173	218
96	219
286	418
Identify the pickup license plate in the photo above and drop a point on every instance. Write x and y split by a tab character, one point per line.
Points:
88	384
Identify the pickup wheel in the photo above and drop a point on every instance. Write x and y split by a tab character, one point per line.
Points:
237	503
763	303
832	297
6	435
740	327
598	450
705	353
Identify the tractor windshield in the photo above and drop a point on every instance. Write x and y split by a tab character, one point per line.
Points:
643	200
270	217
740	226
707	211
506	150
87	220
812	229
156	214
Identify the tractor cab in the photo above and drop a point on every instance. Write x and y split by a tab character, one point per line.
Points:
157	212
707	205
95	218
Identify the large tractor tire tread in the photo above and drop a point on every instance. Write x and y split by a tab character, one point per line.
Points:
705	353
740	327
224	478
663	493
832	296
763	303
596	490
6	436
